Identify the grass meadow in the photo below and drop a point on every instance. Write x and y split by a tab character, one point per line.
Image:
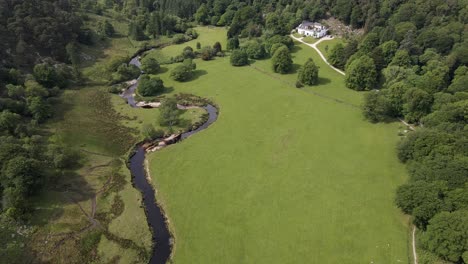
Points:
102	128
285	175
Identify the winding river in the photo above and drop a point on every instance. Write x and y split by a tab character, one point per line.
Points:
162	239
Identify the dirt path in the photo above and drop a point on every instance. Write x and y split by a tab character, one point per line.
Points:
415	255
314	46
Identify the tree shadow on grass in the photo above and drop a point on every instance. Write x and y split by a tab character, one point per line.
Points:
295	68
323	81
296	49
166	91
197	74
163	70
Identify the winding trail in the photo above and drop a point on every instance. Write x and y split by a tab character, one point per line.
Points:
314	46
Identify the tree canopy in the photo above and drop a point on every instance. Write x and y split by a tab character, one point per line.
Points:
281	60
150	86
308	74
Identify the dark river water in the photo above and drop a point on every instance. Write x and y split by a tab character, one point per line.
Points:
162	240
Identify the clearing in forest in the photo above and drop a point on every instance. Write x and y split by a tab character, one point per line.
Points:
284	175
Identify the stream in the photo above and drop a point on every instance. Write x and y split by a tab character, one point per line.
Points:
162	239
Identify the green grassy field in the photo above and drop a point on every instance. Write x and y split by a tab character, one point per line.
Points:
284	175
310	40
322	46
207	37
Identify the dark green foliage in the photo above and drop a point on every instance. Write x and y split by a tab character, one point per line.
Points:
277	24
276	39
447	235
275	47
233	43
150	86
150	133
337	56
460	80
201	16
207	53
169	113
421	199
30	27
125	72
389	49
255	50
47	75
401	59
282	61
89	243
239	58
178	39
106	29
73	53
150	65
217	48
183	72
308	74
22	174
376	107
188	53
39	108
417	104
361	74
136	31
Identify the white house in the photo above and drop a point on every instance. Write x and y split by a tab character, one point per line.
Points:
313	29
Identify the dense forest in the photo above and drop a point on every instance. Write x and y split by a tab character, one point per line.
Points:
412	60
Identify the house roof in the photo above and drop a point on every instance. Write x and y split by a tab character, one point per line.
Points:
307	24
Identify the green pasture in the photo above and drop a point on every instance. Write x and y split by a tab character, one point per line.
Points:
285	175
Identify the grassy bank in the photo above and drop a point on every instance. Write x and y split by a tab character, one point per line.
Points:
284	175
93	214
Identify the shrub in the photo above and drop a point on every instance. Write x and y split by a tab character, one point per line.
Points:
233	43
47	75
275	47
239	58
150	65
207	53
149	132
217	48
281	61
150	86
181	73
191	33
308	74
126	72
256	50
178	39
187	53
